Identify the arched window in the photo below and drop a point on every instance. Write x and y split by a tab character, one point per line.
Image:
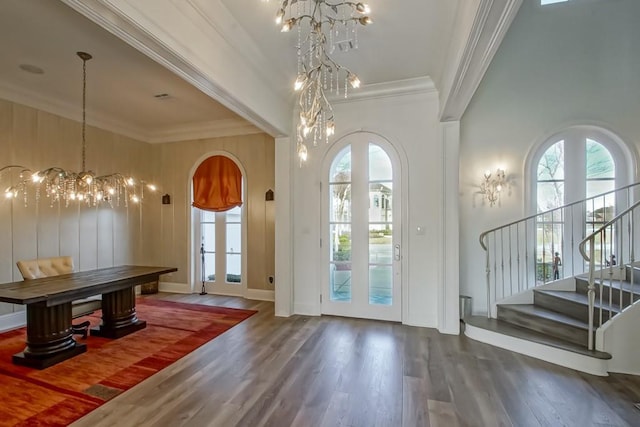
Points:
218	216
573	165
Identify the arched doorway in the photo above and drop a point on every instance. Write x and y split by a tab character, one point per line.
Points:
362	229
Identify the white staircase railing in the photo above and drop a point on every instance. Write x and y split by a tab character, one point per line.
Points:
614	275
519	255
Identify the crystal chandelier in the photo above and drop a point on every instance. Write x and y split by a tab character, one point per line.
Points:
330	24
61	185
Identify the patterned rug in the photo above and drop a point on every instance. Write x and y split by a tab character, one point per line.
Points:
58	395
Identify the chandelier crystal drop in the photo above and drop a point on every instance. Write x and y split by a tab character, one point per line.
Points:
322	26
66	186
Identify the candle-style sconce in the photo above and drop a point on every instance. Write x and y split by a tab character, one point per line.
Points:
492	185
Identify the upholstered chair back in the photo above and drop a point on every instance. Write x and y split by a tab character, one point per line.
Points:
45	267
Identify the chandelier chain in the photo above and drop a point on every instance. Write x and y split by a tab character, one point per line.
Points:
84	112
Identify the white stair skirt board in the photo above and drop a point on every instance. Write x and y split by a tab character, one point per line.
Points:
568	359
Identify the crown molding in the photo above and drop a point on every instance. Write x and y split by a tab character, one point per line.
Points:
173	49
387	89
212	129
489	27
72	112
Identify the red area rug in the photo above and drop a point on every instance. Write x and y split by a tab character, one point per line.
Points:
59	395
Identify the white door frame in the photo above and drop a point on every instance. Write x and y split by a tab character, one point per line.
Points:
399	212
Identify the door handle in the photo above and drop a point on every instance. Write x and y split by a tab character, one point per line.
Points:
396	254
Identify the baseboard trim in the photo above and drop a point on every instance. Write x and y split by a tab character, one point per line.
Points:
306	309
568	359
174	288
14	320
260	295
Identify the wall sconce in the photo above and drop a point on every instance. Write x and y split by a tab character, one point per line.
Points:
268	196
166	199
492	185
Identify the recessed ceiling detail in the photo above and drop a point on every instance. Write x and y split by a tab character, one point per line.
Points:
30	68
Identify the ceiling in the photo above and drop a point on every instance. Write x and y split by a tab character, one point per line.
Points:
404	42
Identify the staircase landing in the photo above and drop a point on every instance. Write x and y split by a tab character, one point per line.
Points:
538	345
502	327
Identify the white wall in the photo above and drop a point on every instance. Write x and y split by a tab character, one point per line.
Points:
564	64
410	122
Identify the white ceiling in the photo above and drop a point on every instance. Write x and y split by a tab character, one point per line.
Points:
409	38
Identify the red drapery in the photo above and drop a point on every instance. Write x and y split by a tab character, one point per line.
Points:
217	185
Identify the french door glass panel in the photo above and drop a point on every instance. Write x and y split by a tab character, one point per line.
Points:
222	234
362	268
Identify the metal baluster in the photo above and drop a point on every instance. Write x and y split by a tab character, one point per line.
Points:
502	258
518	254
510	265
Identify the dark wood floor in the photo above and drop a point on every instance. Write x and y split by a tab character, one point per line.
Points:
329	371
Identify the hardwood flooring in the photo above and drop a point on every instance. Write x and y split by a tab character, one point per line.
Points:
328	371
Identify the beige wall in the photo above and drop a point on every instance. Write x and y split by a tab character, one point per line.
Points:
150	233
94	237
256	154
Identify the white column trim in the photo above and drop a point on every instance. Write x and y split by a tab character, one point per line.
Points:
490	24
284	257
448	318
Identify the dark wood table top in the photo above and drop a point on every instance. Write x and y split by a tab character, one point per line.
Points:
68	287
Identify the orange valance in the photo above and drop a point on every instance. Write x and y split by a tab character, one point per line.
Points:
217	185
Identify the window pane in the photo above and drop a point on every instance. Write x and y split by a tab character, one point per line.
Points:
380	285
234	215
340	282
550	195
234	268
207	216
234	238
551	165
209	267
379	164
599	187
341	167
548	242
340	243
599	161
380	244
340	203
209	237
380	197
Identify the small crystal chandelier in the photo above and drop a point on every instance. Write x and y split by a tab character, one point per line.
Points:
330	24
61	185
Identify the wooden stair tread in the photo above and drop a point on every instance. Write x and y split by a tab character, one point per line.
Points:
579	298
505	328
614	284
537	311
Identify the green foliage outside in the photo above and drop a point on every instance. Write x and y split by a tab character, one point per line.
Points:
344	248
544	271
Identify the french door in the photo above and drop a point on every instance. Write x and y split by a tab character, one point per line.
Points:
361	233
221	248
